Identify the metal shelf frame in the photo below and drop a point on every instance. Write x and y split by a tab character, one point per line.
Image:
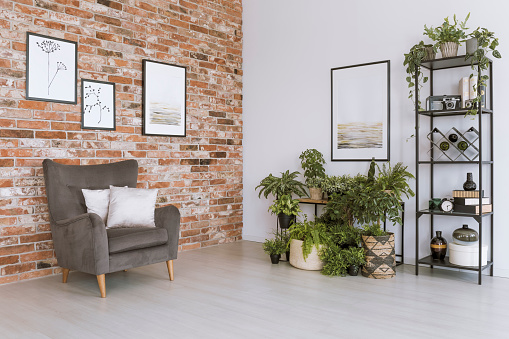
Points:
480	162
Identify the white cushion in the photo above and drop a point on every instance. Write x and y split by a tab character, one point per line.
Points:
97	202
131	207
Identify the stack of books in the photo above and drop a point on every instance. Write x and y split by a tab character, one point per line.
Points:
468	202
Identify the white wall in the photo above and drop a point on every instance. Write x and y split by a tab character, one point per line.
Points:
290	47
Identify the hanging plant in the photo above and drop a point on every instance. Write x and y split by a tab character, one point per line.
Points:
413	60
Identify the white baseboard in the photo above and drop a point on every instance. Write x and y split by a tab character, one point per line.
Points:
252	238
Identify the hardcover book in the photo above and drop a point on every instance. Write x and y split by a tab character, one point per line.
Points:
473	209
470	201
466	194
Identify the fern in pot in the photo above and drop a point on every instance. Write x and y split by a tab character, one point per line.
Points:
307	240
312	162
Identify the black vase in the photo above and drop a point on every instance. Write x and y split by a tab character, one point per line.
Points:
353	270
469	185
438	247
285	220
274	258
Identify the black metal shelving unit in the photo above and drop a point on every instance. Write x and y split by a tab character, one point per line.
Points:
482	163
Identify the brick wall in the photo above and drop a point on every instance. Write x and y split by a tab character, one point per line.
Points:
201	173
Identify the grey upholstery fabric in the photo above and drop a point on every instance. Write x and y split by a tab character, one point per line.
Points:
81	239
127	239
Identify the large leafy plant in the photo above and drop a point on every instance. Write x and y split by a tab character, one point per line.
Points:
312	162
285	205
447	32
486	43
312	234
279	186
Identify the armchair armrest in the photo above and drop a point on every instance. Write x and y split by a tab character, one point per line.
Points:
168	217
81	243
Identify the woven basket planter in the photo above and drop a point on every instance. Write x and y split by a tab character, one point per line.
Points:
449	49
380	256
311	263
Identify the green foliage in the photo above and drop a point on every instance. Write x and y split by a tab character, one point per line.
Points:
336	184
373	230
274	246
337	259
395	179
314	182
312	163
311	233
486	43
285	205
447	32
413	60
343	235
279	186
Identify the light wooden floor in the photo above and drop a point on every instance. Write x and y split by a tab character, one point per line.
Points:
232	291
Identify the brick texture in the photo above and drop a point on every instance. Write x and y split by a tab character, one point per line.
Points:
201	173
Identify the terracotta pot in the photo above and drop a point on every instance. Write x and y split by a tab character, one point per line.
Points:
315	193
311	263
380	256
449	49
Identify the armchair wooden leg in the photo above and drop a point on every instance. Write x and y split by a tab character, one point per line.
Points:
169	263
65	274
101	279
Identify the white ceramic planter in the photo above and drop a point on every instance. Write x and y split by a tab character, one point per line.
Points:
449	49
311	263
471	45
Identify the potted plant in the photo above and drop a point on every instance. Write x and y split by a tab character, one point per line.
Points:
355	258
286	210
481	43
335	184
379	252
448	36
312	162
413	59
307	240
394	180
274	248
279	186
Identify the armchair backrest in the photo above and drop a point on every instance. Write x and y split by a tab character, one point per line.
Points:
64	184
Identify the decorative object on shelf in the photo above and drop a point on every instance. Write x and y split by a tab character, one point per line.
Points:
471	45
453	137
51	69
465	236
464	90
434	203
97	105
466	194
469	185
359	133
413	59
470	201
448	36
380	256
444	145
286	209
473	209
462	145
444	102
164	99
438	246
312	162
485	42
467	255
446	205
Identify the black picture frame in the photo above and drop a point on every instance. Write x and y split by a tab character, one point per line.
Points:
164	99
348	145
103	107
67	52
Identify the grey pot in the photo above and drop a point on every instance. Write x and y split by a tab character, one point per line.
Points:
471	45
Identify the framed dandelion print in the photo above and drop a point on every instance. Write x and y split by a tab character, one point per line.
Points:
51	69
97	104
164	99
360	123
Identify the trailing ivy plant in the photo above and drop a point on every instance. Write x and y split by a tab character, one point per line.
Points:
413	60
312	162
312	234
486	43
285	205
279	186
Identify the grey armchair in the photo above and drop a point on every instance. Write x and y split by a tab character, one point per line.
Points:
81	239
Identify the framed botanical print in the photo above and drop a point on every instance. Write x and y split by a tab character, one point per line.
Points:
51	69
97	104
360	122
164	99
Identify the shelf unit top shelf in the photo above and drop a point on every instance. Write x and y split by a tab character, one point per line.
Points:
451	112
446	263
444	63
455	214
